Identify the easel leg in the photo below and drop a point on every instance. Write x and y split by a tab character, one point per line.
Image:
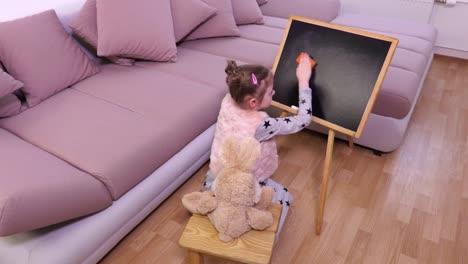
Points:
350	141
284	114
326	172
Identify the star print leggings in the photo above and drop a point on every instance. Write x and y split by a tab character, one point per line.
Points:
282	196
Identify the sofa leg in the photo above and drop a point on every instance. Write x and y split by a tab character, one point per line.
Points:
377	152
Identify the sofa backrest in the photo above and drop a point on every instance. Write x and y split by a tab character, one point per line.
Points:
325	10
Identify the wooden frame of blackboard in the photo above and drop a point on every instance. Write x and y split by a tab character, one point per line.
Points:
378	84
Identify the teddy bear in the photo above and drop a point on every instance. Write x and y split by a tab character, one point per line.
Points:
237	203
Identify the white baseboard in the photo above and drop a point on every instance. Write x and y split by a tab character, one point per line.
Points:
451	52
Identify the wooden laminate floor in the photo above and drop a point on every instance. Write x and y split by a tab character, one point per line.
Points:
408	206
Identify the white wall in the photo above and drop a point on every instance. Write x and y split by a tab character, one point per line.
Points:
12	9
414	10
450	21
452	26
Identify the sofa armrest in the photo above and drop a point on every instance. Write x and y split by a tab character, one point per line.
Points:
324	10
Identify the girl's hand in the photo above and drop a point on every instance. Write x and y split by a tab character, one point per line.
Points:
304	71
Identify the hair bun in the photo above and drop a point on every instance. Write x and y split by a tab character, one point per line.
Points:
231	68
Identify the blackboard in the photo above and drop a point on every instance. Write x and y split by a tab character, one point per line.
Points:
351	65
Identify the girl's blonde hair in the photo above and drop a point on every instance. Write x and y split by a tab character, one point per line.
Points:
247	80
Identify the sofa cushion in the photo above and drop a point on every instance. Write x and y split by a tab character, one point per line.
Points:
262	33
220	25
410	61
38	189
411	43
256	32
10	105
188	66
84	25
189	14
122	124
8	84
388	25
140	29
404	58
249	51
246	12
146	91
410	65
416	41
397	94
276	22
37	46
316	9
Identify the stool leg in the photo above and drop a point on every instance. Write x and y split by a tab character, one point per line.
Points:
195	257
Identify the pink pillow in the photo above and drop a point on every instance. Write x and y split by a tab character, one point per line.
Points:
189	14
84	25
247	12
38	51
10	105
140	29
220	25
8	84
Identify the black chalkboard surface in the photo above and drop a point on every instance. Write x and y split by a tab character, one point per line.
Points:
351	65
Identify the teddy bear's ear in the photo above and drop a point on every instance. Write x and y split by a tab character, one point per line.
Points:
240	156
229	152
249	152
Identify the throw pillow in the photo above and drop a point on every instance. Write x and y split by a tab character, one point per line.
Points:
10	105
8	84
247	12
189	14
220	25
38	51
140	29
84	25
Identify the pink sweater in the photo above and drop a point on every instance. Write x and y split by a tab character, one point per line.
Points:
236	122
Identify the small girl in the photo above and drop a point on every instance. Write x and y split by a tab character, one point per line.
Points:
250	91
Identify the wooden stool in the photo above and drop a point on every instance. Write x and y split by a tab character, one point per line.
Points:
200	237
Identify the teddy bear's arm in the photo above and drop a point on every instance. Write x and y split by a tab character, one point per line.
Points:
266	198
259	219
200	202
208	203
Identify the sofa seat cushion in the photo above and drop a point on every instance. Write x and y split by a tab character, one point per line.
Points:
249	51
262	33
409	28
122	124
316	9
152	93
397	94
276	22
188	67
38	189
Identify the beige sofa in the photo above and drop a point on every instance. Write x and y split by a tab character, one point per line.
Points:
119	146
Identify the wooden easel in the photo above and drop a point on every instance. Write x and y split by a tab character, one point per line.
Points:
325	175
293	49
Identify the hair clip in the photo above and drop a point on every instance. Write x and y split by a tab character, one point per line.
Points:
254	79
